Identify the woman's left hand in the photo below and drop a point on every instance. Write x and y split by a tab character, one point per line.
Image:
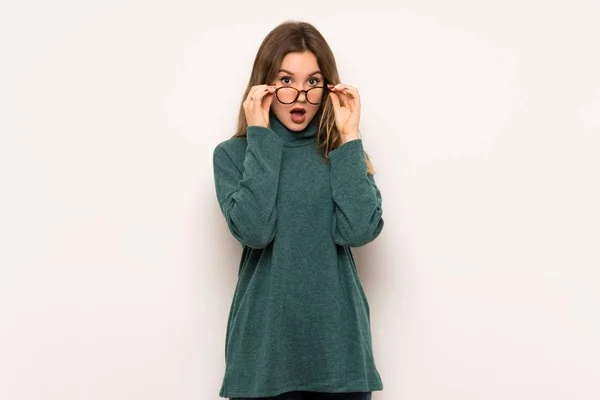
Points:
347	112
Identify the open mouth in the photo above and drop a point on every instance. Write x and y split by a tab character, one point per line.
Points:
298	111
298	115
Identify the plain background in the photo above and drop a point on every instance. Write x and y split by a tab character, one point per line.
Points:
482	120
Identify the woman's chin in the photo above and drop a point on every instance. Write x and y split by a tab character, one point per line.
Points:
297	126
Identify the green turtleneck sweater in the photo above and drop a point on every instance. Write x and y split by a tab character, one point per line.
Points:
299	318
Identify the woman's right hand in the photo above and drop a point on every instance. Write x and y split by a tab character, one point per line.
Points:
257	105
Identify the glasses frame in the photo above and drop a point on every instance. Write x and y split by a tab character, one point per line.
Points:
305	91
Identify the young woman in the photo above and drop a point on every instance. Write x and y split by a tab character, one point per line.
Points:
296	189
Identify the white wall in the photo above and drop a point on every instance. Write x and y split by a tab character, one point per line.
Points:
483	123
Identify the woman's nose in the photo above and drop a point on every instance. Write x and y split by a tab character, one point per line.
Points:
301	95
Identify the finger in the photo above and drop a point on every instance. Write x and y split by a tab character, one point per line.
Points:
268	99
248	100
335	100
350	95
250	94
341	87
351	90
251	97
258	94
344	98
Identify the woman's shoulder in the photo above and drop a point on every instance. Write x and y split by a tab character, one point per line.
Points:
234	148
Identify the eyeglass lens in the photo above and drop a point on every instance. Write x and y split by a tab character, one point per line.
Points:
288	95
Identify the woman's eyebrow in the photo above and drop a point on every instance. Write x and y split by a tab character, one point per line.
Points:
291	73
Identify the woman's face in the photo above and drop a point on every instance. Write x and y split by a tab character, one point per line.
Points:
300	71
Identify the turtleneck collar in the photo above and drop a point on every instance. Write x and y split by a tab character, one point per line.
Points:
292	138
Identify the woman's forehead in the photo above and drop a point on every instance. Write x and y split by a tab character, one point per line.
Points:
300	63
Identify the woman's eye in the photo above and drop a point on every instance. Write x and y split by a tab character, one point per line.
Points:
286	80
314	81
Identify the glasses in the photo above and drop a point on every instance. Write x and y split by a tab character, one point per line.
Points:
288	94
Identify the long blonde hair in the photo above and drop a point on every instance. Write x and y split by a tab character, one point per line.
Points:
295	36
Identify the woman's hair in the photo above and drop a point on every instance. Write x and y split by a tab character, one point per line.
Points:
293	36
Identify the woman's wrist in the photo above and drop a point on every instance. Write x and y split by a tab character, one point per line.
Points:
349	137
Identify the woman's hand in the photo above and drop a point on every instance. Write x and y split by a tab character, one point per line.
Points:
347	115
257	105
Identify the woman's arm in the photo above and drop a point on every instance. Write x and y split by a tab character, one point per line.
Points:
247	199
357	218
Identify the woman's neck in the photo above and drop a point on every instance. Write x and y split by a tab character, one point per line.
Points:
294	138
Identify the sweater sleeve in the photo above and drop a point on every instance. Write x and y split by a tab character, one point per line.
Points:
357	217
247	198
